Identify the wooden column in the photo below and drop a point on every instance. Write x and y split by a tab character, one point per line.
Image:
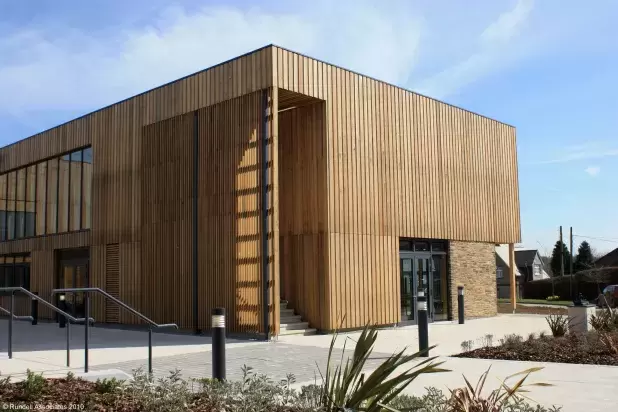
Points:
512	278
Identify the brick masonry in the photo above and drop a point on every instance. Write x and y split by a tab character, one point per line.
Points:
473	265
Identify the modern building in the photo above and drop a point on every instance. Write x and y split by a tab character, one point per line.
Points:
271	177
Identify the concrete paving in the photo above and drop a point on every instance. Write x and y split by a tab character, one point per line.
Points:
115	352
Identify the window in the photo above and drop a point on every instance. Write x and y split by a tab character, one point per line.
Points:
499	272
15	271
52	196
3	207
536	270
41	196
86	187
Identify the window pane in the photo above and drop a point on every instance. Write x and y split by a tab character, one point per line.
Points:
30	200
52	195
421	246
3	203
63	194
10	207
41	184
87	188
8	275
20	206
76	190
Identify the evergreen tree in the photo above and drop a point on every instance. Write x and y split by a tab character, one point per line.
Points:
555	259
584	259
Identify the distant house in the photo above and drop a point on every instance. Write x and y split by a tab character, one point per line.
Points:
610	260
530	265
503	283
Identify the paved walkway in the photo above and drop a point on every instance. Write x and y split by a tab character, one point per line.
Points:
42	348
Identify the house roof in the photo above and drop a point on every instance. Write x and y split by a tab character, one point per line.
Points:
525	258
610	259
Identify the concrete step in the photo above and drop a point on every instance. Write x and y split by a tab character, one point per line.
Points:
290	319
283	304
294	326
286	312
304	332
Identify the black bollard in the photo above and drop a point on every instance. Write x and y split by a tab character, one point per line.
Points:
62	305
34	310
460	303
218	343
423	325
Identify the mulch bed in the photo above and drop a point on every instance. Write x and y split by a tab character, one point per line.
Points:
579	349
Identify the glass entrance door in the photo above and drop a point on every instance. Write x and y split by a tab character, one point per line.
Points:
416	275
408	310
74	274
422	274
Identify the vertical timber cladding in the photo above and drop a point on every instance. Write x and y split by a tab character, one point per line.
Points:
229	224
230	212
399	165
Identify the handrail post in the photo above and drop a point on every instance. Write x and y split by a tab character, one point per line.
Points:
68	344
150	349
11	325
86	332
34	310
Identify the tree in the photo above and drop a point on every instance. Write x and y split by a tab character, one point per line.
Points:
584	259
555	259
546	260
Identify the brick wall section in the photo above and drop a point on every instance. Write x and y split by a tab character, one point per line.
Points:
473	265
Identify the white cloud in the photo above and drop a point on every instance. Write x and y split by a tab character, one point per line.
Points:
587	151
70	70
593	170
495	48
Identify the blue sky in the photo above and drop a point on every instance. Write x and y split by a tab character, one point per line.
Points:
547	67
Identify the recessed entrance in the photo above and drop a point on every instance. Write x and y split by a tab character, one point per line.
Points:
423	269
73	267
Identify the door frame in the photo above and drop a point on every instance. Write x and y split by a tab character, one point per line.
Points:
415	256
72	258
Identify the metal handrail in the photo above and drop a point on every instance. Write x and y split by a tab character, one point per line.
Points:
45	303
16	317
152	324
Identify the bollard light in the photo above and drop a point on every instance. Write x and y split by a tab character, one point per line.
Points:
218	343
423	325
460	304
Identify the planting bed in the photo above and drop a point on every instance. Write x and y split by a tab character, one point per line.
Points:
592	348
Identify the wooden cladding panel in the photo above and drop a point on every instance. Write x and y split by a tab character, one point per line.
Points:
112	281
407	165
225	81
61	241
230	205
303	210
167	170
229	248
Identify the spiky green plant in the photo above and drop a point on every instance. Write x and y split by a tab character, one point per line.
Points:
470	399
347	388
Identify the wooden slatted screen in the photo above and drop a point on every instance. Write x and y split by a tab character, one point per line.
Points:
112	282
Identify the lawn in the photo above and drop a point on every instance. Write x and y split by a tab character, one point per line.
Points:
539	302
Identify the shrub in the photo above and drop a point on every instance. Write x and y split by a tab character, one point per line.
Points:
467	345
559	325
33	385
347	388
471	399
511	341
108	385
605	321
552	298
